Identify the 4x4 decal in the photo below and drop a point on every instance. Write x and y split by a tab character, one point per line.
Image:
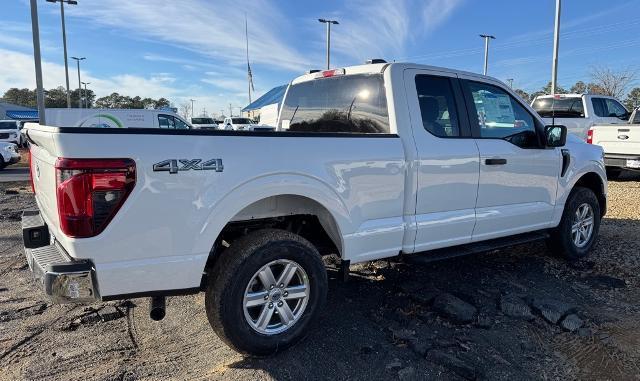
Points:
175	165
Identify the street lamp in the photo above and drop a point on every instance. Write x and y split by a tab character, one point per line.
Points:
192	110
79	82
64	43
35	30
328	22
556	48
86	94
486	37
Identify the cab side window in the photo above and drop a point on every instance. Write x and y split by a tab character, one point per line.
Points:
500	116
437	106
179	124
166	121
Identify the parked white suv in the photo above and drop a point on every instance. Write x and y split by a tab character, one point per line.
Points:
368	162
204	122
579	112
10	132
236	123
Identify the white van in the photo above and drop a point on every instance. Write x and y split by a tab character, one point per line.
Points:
114	118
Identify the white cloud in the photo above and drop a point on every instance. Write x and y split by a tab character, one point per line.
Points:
18	71
212	29
382	29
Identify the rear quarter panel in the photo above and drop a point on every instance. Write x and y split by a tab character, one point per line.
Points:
161	237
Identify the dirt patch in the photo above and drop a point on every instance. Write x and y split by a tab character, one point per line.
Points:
513	314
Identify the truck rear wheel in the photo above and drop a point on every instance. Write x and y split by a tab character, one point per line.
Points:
265	291
578	229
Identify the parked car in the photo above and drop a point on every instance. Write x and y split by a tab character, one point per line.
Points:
579	112
10	132
115	118
369	162
236	123
204	123
621	145
8	154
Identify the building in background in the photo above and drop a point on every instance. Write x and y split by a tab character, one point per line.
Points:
12	111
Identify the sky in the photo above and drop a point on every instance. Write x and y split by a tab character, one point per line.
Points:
195	49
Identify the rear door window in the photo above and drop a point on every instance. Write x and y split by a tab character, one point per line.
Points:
560	107
346	104
437	106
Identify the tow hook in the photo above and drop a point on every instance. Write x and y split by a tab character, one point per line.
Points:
157	308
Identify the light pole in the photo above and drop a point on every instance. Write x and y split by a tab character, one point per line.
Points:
193	111
35	30
78	59
64	43
486	37
328	22
86	94
556	47
510	80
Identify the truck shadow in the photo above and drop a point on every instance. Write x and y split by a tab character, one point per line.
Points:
383	322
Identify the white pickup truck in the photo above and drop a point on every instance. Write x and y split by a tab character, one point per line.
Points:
621	145
579	112
369	162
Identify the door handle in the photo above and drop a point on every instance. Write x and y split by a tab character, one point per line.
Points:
495	161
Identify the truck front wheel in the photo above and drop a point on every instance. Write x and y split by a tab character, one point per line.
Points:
265	291
578	230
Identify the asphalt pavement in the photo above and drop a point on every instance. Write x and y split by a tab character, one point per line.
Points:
11	173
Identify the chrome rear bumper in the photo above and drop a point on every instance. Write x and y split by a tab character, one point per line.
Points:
63	279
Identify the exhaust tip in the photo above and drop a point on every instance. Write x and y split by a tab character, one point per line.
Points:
157	308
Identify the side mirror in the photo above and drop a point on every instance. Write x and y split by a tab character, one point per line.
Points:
555	136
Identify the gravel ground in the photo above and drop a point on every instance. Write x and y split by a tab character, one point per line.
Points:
512	314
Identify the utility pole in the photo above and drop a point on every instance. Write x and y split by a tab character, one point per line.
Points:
192	110
64	43
86	94
78	59
556	47
249	73
35	29
510	80
486	37
328	22
230	111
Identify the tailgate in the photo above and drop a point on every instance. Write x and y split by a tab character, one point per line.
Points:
43	160
618	139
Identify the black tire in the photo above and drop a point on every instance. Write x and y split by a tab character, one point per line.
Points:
561	242
234	271
613	173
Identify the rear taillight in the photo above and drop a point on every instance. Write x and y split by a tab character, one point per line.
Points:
90	192
33	188
590	136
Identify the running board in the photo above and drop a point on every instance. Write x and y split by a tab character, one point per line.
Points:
474	248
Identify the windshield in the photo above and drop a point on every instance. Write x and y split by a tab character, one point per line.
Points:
560	107
9	125
241	120
350	104
202	121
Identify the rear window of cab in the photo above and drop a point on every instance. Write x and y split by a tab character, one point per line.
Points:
345	104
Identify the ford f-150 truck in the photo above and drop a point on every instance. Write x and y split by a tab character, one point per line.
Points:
579	112
367	162
621	145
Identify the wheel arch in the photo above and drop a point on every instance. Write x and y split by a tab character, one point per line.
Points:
284	197
594	181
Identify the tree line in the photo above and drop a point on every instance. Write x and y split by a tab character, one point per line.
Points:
57	98
604	81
